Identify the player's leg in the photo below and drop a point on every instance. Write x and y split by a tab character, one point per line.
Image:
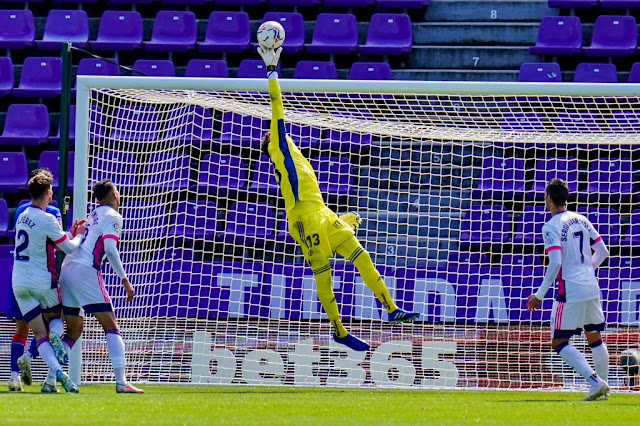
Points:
72	280
115	347
17	351
566	320
594	325
352	250
53	317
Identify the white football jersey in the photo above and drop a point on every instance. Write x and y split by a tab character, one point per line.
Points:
103	222
37	233
571	233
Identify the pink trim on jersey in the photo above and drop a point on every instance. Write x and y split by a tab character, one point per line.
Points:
558	319
64	237
51	262
597	239
552	248
105	295
561	289
111	236
98	252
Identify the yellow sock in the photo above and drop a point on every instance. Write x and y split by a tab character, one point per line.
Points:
353	250
322	276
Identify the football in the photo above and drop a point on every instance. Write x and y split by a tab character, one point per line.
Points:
270	35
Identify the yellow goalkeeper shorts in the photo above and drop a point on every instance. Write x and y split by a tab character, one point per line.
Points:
318	231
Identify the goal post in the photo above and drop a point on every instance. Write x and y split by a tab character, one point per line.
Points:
446	176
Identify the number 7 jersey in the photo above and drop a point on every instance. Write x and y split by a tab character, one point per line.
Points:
103	222
572	233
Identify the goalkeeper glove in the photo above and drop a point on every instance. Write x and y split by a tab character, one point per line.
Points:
352	219
270	58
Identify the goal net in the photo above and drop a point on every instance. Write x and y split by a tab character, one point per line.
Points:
448	179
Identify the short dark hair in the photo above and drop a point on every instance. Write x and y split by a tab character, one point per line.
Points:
42	170
558	190
103	189
39	184
264	145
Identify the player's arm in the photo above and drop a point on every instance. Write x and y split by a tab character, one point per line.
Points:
600	251
61	239
111	230
553	249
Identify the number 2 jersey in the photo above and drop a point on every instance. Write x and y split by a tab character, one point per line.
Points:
37	233
572	233
103	222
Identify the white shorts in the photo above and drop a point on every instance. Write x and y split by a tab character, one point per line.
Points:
32	301
570	318
83	287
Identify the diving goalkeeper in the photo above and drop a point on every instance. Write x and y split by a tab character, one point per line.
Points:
318	230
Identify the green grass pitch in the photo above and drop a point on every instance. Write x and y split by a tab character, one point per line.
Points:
174	405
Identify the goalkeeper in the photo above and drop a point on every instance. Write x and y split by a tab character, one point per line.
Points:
318	230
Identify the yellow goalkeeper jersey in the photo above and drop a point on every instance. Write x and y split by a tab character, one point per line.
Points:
296	177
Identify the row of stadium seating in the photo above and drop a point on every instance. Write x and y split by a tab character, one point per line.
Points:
604	4
585	73
176	31
41	77
390	4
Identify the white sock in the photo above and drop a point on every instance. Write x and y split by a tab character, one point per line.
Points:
15	375
575	359
47	353
601	359
51	377
56	326
115	345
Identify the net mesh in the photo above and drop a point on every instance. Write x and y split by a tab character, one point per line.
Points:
450	191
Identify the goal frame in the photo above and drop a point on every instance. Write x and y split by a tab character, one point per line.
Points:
86	83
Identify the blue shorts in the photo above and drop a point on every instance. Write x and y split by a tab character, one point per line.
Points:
13	311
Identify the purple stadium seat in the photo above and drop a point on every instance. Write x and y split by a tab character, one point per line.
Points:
523	121
606	220
173	32
293	25
25	124
195	219
263	179
305	3
184	1
610	177
572	4
65	26
520	260
55	140
128	1
119	30
529	226
240	2
49	159
613	36
143	220
242	130
315	70
226	32
92	66
340	141
4	219
123	130
348	3
402	4
247	221
191	124
484	225
624	121
154	68
334	175
216	68
40	77
632	236
370	71
253	68
576	122
221	172
634	73
96	128
334	33
302	135
17	28
117	166
558	35
596	73
13	171
6	76
464	262
6	264
167	171
620	4
540	72
388	34
502	178
548	168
